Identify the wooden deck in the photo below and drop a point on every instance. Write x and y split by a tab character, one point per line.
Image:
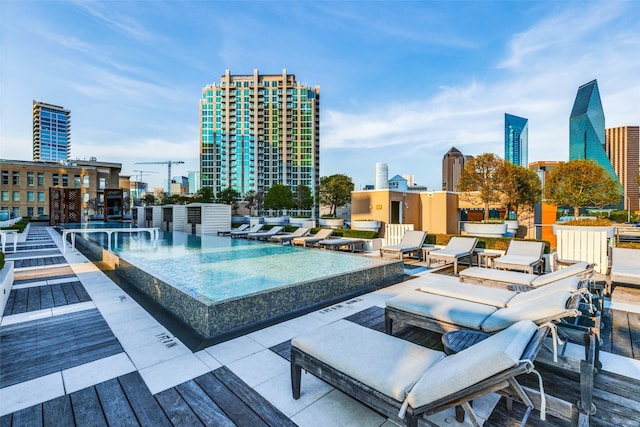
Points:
38	297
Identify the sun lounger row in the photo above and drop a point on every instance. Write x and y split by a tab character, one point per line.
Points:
405	380
504	278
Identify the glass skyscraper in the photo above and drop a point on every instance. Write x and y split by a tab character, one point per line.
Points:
258	130
586	128
51	132
516	140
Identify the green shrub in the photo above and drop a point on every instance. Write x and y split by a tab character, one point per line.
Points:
600	222
354	234
628	245
20	225
1	260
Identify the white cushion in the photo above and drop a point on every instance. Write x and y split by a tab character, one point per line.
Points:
523	248
568	284
483	360
511	277
516	260
552	306
626	274
625	257
466	314
480	294
571	270
385	363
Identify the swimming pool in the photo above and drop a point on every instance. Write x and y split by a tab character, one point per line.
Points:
217	284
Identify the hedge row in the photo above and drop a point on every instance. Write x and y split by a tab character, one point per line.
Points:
20	225
497	243
1	260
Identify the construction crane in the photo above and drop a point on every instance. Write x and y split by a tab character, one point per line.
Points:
141	172
168	163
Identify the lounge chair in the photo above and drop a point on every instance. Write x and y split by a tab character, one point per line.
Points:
344	243
243	233
241	227
484	310
411	242
625	267
456	249
287	238
521	255
305	241
504	279
399	378
265	235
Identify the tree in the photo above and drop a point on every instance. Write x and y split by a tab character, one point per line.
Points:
521	187
582	183
204	195
335	191
482	174
254	200
278	197
228	196
149	199
303	198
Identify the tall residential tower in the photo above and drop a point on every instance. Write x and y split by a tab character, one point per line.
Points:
258	130
452	165
623	149
516	140
51	132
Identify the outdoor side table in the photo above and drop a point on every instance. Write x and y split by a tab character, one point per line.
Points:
485	259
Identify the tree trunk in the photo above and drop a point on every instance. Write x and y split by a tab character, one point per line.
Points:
486	212
576	212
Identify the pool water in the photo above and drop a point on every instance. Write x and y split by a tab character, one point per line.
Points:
214	269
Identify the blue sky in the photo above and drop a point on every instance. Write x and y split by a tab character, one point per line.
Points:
401	82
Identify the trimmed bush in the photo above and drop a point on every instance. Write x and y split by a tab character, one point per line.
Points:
499	244
354	234
1	260
20	225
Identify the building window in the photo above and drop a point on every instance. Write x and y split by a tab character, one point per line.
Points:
29	211
65	180
85	197
5	196
85	180
5	177
30	196
15	178
40	210
30	181
41	196
16	196
16	212
40	179
103	183
56	180
76	181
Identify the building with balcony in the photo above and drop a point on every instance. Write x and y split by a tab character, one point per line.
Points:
258	130
516	140
51	132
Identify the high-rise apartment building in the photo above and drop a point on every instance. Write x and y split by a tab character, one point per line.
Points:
258	130
51	132
623	150
516	140
586	128
452	165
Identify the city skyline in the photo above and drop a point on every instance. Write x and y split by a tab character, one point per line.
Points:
402	82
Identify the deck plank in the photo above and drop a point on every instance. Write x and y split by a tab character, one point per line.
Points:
46	297
81	292
31	416
146	408
20	303
269	413
621	338
230	404
87	410
202	405
115	405
58	295
178	411
634	329
57	412
70	293
33	299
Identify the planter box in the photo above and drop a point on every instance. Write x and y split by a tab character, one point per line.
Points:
579	243
298	222
276	220
485	230
331	222
365	225
512	227
6	282
241	219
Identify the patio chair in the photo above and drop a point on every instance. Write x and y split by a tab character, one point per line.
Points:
625	267
411	242
265	235
243	233
305	241
405	380
456	249
521	255
504	279
349	244
287	238
241	227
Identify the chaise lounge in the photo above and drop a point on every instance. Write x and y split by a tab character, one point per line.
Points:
305	241
625	267
241	227
243	233
521	255
287	238
400	378
265	235
456	249
349	244
411	242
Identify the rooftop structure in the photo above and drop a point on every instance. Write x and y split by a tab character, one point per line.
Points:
51	132
258	130
623	150
516	140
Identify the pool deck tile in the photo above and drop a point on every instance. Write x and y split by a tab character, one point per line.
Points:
232	350
172	372
208	360
95	372
28	393
25	317
337	409
259	367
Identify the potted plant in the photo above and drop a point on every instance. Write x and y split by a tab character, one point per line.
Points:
521	189
583	183
335	191
365	225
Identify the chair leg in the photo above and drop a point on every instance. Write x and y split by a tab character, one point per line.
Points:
388	325
296	377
